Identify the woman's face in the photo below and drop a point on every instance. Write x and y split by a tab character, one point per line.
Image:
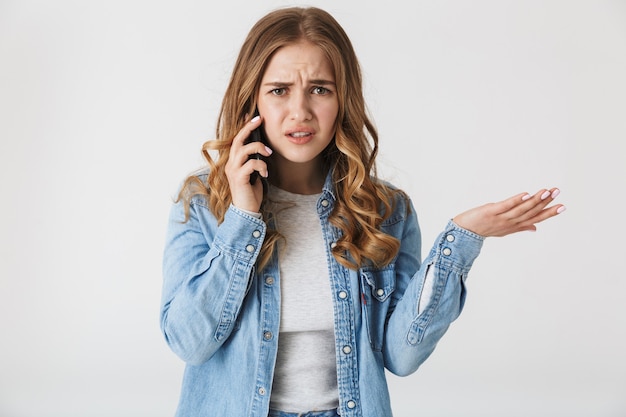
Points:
298	103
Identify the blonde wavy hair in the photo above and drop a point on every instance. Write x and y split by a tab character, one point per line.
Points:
363	201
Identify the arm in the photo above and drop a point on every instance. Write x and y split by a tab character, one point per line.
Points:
433	298
435	295
206	271
206	267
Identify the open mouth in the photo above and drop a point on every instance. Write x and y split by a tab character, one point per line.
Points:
298	135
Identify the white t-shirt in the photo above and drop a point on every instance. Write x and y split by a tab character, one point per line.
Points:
305	377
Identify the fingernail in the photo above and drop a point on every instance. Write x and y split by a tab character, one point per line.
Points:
269	150
526	197
545	195
560	210
255	118
555	193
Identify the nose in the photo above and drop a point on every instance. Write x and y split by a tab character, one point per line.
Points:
300	107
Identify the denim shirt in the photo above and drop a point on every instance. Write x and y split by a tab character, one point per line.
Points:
221	315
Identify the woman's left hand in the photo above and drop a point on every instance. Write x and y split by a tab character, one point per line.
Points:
515	214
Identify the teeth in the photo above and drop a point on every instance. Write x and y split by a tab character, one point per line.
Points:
299	134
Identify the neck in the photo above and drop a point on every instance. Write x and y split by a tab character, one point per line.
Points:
298	178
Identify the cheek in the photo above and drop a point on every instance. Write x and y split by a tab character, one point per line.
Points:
271	125
270	116
330	115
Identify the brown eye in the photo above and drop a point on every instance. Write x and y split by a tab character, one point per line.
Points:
320	90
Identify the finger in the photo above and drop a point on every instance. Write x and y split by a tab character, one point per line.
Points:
511	203
505	205
258	148
546	214
530	204
237	155
537	203
529	223
257	165
245	131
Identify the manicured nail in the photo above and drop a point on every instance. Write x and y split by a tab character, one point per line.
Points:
545	195
255	118
555	193
526	197
269	150
561	209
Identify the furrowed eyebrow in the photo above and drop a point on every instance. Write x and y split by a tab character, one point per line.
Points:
279	84
321	82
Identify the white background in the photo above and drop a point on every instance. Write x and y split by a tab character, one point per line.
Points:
103	109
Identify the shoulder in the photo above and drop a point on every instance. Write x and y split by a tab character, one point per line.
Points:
193	189
396	200
201	174
393	194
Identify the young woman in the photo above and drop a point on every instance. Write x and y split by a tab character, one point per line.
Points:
291	294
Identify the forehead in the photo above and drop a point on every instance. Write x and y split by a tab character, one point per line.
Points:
303	57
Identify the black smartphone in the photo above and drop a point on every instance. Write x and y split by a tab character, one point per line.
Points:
255	136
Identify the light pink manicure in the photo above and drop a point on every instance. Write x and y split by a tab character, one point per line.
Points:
526	197
555	193
561	209
545	195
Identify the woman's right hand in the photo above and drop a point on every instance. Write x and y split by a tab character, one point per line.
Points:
239	167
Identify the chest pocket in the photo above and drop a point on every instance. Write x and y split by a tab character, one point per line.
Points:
377	286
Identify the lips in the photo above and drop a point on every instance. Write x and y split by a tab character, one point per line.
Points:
300	135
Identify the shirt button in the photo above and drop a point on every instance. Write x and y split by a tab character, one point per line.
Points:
269	280
447	251
325	203
267	335
262	391
343	295
450	238
346	349
351	404
250	248
256	234
380	292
